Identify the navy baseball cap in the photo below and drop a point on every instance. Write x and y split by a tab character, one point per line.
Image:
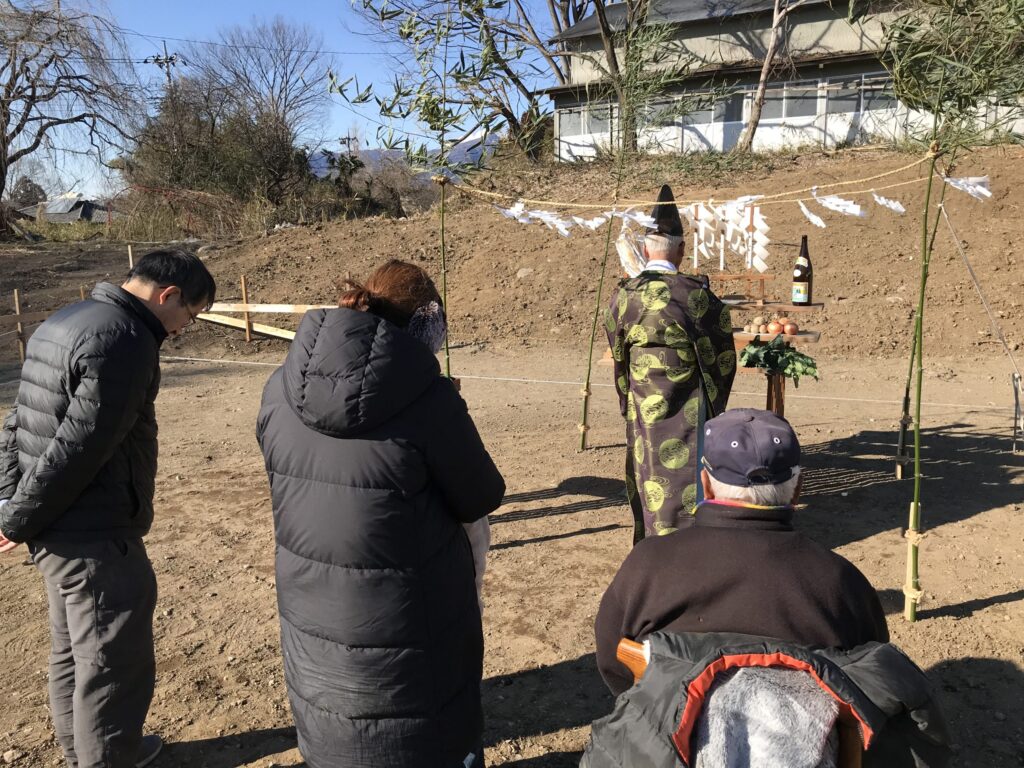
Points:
746	446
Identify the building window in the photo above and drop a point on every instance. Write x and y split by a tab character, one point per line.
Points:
843	95
599	119
570	122
660	114
731	109
878	94
802	100
699	117
772	109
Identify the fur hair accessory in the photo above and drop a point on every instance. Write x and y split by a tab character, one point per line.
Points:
429	326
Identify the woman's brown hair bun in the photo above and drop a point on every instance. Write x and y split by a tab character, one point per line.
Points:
394	291
355	296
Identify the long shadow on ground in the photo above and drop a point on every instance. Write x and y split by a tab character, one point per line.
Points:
227	751
852	492
605	492
550	760
533	702
849	486
982	703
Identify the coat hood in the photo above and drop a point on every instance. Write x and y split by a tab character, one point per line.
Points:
348	371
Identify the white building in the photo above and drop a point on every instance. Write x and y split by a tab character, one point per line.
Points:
834	91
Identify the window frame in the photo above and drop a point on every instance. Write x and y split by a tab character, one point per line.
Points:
578	112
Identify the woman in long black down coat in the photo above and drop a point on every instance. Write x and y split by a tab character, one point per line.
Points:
374	466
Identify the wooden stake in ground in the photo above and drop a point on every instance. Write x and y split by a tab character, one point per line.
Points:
19	328
245	315
131	258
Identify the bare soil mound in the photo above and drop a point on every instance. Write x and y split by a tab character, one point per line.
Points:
511	283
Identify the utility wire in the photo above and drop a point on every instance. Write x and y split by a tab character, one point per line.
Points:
977	286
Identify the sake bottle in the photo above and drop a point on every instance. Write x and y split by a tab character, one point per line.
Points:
803	276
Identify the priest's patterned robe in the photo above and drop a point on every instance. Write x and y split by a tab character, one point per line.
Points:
671	341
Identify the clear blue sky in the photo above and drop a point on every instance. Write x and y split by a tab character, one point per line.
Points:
202	19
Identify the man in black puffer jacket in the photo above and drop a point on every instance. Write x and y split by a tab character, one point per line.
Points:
77	467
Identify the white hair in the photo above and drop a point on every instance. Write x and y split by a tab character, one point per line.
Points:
762	495
664	247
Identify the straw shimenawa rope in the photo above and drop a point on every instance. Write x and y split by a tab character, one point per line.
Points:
768	199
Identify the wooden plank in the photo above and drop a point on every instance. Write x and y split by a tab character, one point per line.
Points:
753	278
234	322
8	321
771	306
800	337
292	309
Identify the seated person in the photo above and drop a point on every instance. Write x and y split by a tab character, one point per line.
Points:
742	618
741	568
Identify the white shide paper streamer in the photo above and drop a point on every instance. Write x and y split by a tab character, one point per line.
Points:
838	204
885	202
975	186
814	218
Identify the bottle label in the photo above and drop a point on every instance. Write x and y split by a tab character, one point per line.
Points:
800	293
801	261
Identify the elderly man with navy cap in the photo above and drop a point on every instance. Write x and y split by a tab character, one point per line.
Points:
741	567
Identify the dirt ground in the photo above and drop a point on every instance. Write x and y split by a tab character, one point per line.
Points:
519	347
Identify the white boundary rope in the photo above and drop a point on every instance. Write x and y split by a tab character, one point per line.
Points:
959	406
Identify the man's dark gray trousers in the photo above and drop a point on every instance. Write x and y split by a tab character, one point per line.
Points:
102	670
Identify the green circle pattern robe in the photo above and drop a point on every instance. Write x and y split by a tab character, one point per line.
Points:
671	341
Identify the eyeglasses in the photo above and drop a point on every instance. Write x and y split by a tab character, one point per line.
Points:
191	317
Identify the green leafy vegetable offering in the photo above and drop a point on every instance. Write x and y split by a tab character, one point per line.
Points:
778	356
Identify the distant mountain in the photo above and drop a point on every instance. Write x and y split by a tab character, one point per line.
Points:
469	151
372	159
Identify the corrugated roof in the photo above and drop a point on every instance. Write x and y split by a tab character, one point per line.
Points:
673	12
63	204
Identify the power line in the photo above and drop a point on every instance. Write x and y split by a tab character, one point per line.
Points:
244	46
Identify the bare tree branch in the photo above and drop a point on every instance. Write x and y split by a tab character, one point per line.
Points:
62	83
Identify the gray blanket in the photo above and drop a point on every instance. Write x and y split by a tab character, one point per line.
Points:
768	718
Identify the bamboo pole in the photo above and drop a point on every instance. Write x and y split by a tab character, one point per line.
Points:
584	425
905	419
245	315
912	587
443	181
19	328
444	278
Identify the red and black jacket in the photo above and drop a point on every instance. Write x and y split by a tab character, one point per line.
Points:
878	688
